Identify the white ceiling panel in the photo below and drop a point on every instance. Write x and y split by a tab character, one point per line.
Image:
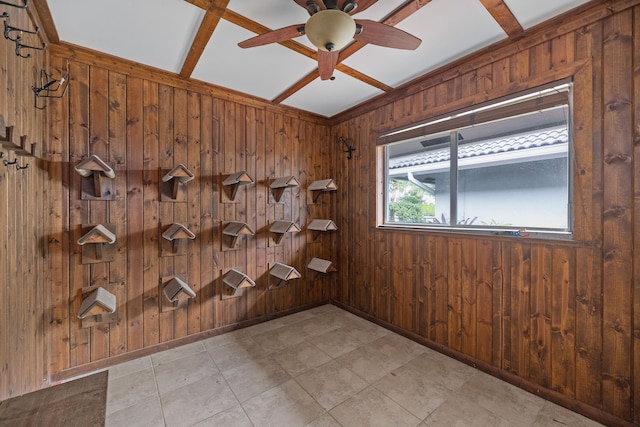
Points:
530	13
446	35
153	32
264	71
329	97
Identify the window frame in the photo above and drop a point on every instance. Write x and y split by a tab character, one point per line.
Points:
498	109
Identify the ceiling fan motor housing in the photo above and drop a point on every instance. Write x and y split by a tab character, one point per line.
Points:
330	29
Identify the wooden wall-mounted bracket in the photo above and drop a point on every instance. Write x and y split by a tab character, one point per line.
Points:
177	293
279	229
322	186
321	226
99	302
97	183
177	233
232	182
173	180
97	243
283	272
321	266
232	233
8	142
236	281
278	186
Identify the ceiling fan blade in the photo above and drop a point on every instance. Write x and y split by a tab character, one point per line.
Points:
385	35
274	36
303	3
327	62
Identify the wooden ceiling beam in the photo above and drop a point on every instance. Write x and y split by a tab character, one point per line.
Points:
207	27
503	16
45	20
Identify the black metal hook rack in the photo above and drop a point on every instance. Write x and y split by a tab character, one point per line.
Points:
8	29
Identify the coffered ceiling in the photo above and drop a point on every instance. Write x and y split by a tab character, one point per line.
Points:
199	39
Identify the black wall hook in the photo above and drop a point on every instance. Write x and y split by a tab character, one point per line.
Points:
18	167
349	148
20	46
24	6
9	29
7	162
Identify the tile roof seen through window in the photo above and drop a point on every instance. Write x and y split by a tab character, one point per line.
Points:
515	143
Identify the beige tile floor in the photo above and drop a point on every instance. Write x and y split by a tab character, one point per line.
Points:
323	367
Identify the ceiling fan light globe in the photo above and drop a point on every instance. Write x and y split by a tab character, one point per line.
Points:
330	27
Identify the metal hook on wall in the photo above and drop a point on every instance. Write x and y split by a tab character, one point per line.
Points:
24	6
7	162
20	46
349	148
18	167
9	29
50	88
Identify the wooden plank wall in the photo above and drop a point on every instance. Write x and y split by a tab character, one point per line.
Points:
22	215
144	126
563	315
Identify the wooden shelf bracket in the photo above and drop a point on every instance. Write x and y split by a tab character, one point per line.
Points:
283	272
7	140
177	233
279	185
177	289
237	281
96	168
280	228
232	182
322	186
321	226
179	176
98	302
234	230
98	236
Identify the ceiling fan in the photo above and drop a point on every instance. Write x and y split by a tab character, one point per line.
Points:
331	27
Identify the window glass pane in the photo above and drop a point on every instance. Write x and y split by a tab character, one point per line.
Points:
422	194
514	172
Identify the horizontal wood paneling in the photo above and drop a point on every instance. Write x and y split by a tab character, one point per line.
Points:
23	213
558	315
143	129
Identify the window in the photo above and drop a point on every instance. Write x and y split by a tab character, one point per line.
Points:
498	168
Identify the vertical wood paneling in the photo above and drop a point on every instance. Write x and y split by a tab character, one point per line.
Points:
540	343
151	181
617	246
636	219
117	133
135	225
563	321
23	215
